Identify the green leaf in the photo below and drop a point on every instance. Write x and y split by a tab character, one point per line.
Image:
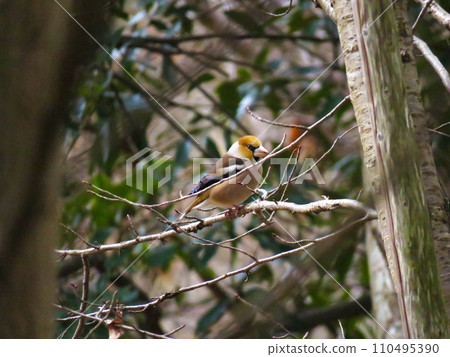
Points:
243	75
274	102
168	71
344	261
182	154
295	21
203	78
244	20
211	317
264	273
161	256
101	234
261	57
211	147
229	96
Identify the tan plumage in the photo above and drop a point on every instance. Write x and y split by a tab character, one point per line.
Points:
244	152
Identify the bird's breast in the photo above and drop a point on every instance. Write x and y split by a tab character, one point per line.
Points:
233	192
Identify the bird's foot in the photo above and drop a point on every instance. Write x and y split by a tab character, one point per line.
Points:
233	212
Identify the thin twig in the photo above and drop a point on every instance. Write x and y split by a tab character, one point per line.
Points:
84	295
168	334
266	315
422	12
439	14
439	132
442	125
78	235
283	125
98	313
279	149
328	236
125	327
273	191
262	225
282	14
210	97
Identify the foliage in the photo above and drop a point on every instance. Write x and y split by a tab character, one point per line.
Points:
206	84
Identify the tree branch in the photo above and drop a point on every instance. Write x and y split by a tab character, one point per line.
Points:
136	41
326	6
437	12
433	60
257	206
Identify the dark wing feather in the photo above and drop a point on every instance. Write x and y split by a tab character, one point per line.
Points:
208	180
205	182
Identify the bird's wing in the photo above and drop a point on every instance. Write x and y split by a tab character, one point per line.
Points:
225	167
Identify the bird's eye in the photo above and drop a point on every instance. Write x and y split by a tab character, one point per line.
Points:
251	147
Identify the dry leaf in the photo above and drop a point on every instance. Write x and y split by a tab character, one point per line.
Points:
114	326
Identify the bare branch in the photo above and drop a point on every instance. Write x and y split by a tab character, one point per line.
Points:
79	236
326	6
282	14
125	327
328	236
266	315
84	295
257	117
329	115
439	132
442	125
422	12
437	12
291	179
244	270
279	149
134	40
257	206
434	61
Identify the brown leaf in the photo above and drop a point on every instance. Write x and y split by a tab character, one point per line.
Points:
114	326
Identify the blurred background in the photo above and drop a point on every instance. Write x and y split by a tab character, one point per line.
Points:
168	65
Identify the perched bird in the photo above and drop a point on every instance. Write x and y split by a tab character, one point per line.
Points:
229	194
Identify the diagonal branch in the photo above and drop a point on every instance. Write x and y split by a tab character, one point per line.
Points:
437	12
433	60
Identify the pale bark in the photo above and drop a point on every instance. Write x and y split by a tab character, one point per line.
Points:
384	299
392	160
440	222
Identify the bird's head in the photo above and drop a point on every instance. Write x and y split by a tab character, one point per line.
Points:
248	147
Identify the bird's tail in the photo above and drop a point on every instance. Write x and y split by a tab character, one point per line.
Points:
200	199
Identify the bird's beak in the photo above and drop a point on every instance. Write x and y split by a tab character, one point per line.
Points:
260	152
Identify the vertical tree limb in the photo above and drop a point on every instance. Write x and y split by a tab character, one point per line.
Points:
440	220
384	299
377	90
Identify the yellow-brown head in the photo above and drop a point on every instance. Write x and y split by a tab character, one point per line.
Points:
249	147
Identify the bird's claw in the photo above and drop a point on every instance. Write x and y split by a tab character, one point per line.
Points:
233	212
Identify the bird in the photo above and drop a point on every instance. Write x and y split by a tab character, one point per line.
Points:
230	193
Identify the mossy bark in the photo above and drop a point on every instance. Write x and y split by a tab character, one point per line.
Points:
378	89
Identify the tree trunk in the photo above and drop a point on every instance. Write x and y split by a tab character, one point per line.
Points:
393	160
382	291
38	55
440	222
